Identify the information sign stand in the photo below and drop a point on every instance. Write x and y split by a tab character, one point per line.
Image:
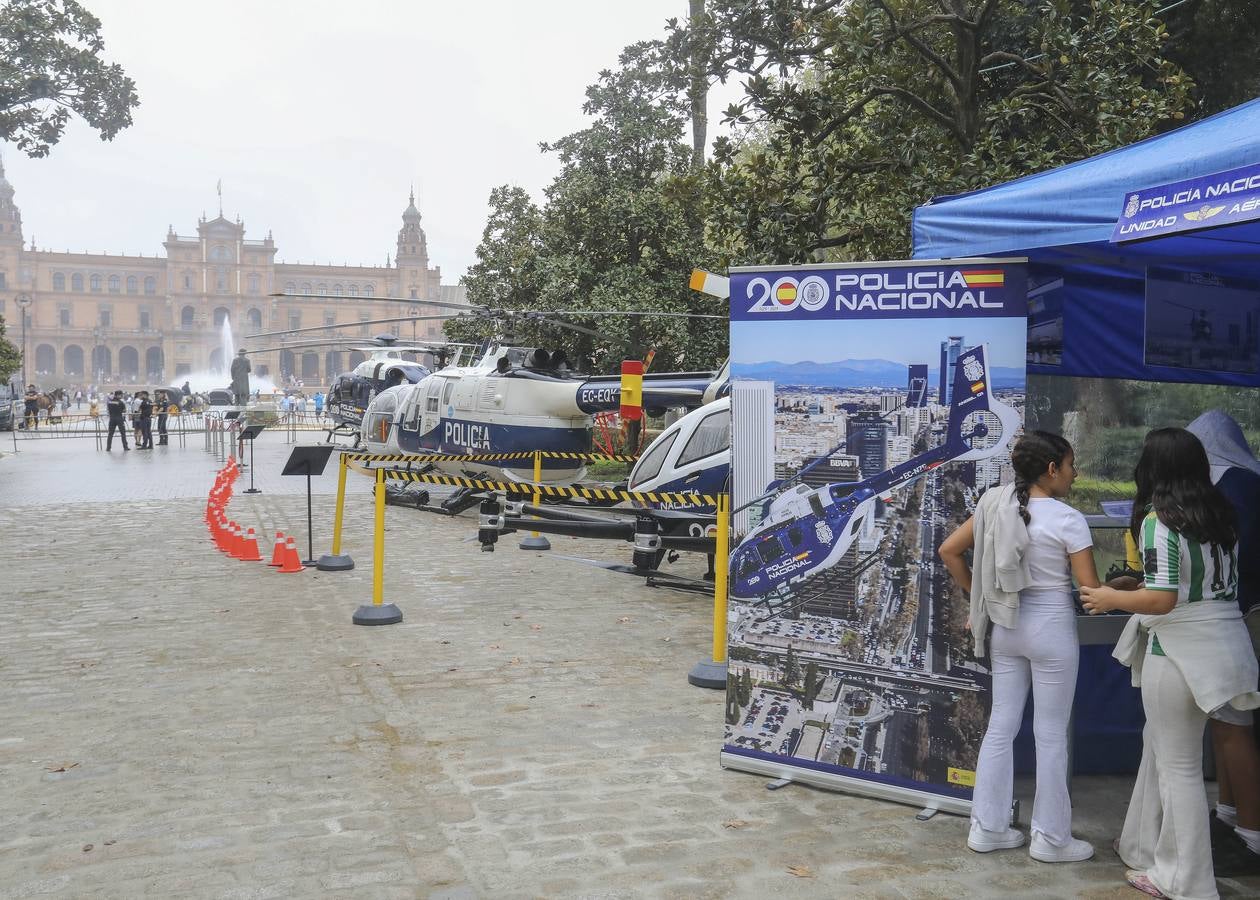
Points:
308	461
250	434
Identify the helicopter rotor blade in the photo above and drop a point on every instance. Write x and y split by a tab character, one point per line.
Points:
259	334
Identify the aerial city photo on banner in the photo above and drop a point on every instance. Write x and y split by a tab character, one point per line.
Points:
896	391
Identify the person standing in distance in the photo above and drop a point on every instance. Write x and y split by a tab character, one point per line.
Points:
1027	544
144	419
117	411
1235	822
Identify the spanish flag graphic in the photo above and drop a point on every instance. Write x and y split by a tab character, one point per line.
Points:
786	294
981	278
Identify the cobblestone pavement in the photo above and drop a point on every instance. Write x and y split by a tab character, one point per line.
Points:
179	724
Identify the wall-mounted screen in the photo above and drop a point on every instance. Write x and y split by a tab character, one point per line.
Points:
1197	320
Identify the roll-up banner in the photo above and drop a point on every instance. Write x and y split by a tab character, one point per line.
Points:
897	391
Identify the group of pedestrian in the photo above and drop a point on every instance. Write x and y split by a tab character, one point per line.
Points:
1195	525
142	410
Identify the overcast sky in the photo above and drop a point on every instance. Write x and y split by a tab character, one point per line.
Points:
318	116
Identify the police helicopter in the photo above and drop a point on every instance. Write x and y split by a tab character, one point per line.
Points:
806	531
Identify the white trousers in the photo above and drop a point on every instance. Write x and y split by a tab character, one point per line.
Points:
1166	828
1042	652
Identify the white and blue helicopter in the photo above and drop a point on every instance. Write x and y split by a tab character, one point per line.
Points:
806	531
514	399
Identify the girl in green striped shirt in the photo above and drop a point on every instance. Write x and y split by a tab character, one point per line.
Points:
1189	651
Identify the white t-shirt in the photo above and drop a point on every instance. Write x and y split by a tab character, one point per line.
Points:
1055	531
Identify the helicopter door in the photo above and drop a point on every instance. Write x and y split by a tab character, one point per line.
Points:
432	406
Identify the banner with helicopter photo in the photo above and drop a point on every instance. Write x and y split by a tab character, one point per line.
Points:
896	390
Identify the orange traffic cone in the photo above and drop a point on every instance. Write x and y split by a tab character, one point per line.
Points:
292	562
249	547
236	542
277	552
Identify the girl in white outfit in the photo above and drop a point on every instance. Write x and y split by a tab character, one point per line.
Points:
1027	545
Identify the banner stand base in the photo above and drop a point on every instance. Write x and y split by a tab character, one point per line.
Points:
846	784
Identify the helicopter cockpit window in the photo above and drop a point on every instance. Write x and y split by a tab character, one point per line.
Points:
796	536
447	391
412	421
431	404
816	505
712	435
770	549
748	566
650	465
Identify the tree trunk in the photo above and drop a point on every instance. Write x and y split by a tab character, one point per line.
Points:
699	90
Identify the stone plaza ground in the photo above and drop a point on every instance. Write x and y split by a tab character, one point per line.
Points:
179	724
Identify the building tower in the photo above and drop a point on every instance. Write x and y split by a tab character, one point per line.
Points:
951	348
412	256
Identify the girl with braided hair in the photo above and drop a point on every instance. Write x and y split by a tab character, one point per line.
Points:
1026	547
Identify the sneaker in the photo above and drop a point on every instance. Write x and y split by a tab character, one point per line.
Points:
1073	851
1232	858
983	841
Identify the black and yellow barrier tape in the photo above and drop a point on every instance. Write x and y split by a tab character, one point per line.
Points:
544	490
485	457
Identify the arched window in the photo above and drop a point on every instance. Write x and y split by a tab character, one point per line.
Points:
186	317
101	362
115	284
356	357
354	290
219	252
332	363
369	290
72	360
154	363
76	282
133	284
286	362
290	287
220	313
150	285
323	289
338	290
310	365
129	362
95	282
252	283
306	287
45	360
254	318
59	283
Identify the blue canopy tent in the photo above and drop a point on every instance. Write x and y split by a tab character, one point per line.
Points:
1064	221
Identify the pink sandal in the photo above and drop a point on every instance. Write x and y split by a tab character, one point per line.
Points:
1144	884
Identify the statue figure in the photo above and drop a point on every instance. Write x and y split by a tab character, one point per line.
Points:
240	379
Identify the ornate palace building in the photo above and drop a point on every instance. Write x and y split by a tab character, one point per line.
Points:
104	319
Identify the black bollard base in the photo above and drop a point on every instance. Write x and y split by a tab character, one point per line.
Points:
339	563
534	542
708	674
371	614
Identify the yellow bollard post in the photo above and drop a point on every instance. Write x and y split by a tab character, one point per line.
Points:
336	561
711	673
378	612
536	541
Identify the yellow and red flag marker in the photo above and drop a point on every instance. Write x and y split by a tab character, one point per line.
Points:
980	278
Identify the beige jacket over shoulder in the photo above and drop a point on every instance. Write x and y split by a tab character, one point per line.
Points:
999	562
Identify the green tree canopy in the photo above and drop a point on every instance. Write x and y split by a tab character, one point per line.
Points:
10	356
863	110
621	229
50	68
